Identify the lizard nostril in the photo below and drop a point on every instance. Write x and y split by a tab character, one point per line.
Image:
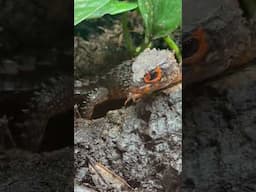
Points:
195	48
59	126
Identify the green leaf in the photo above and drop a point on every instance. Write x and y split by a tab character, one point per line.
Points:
114	7
90	9
85	8
161	17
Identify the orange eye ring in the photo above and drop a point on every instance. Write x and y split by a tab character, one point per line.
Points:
149	75
200	36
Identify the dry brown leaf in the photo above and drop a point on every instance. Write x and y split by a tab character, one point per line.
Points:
103	176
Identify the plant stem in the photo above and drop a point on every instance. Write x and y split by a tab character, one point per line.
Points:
143	46
127	36
173	46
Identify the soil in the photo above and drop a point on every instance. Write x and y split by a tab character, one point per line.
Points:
138	143
28	172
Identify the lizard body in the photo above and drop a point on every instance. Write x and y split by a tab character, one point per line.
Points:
131	80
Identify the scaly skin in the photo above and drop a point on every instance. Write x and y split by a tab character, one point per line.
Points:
34	93
153	70
110	85
130	80
225	38
54	97
35	71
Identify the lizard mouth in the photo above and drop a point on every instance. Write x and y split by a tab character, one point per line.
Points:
137	93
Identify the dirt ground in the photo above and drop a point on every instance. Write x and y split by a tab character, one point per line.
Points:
26	172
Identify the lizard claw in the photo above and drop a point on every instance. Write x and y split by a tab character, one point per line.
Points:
134	97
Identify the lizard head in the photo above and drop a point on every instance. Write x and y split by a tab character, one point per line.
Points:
215	38
153	70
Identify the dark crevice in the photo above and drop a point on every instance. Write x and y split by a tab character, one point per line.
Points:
100	110
248	8
10	105
59	132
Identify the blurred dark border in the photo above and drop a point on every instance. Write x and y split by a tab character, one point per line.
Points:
219	87
42	30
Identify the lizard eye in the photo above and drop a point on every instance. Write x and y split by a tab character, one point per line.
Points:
195	47
153	76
